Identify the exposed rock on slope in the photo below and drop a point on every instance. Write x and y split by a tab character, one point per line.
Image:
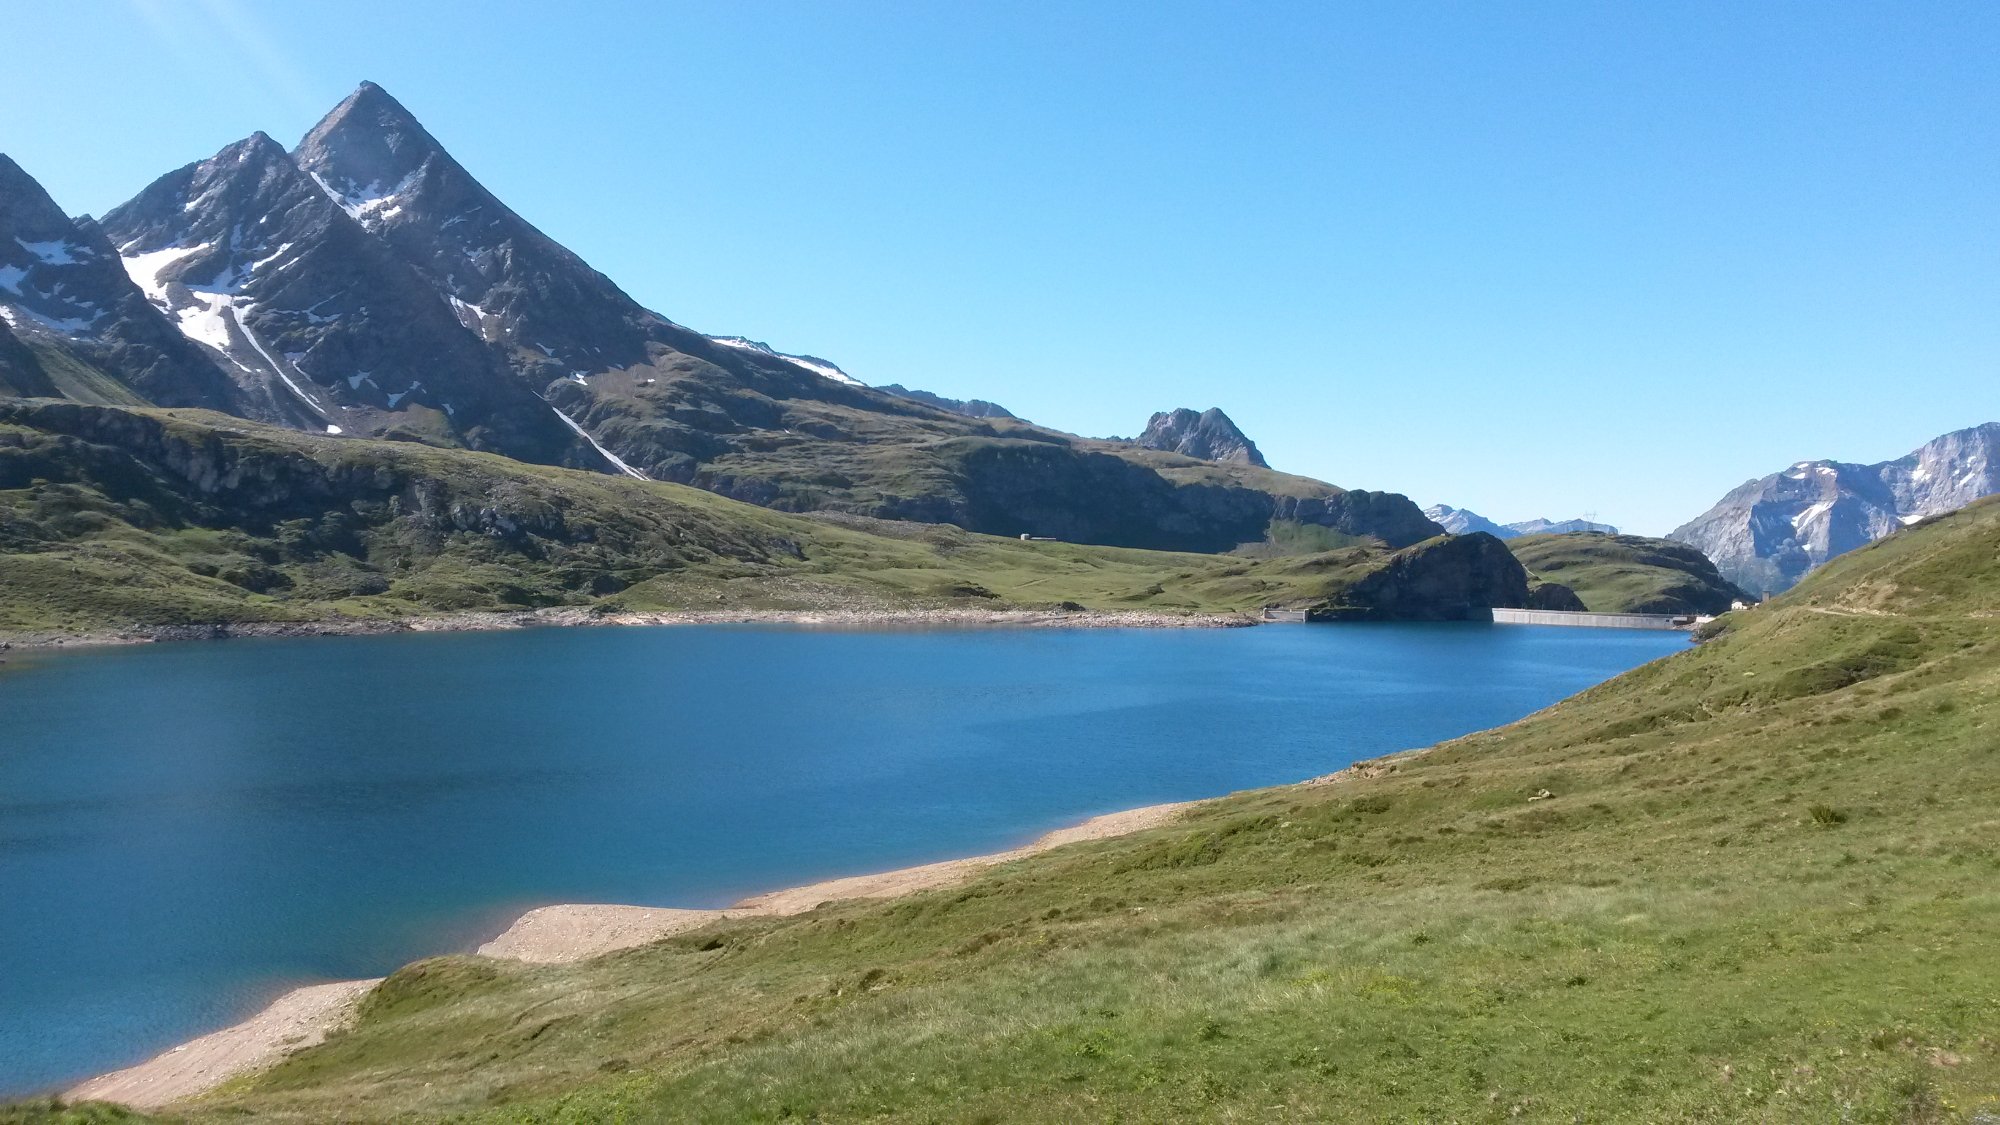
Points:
1209	435
1627	573
1766	534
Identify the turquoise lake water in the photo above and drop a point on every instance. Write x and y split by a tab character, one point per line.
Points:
188	830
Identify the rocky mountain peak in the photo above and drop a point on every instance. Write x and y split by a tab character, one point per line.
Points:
369	153
319	322
1767	533
63	289
1209	435
544	308
26	211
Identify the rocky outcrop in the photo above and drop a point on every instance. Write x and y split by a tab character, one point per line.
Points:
1768	533
1209	436
1456	578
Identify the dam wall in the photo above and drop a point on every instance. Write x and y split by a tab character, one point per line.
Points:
1594	620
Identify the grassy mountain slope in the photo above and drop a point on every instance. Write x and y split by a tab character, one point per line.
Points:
760	430
1628	573
114	518
1753	881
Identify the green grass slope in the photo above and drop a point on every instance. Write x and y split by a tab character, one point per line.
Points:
1756	881
114	518
1628	573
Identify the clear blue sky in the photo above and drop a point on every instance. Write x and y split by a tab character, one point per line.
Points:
1531	259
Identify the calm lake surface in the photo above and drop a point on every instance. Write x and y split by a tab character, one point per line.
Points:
187	830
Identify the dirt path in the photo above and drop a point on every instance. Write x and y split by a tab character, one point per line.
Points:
548	935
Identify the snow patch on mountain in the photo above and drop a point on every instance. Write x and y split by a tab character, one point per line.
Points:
811	363
55	253
608	456
371	205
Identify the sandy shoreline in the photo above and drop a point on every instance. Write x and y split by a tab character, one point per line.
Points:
575	616
546	935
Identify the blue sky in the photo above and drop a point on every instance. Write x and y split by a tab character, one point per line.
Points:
1530	259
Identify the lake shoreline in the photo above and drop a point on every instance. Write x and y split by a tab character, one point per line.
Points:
558	934
583	617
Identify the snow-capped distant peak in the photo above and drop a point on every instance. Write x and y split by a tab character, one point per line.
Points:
811	363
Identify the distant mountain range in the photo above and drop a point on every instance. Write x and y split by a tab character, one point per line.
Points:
365	284
1768	533
1459	521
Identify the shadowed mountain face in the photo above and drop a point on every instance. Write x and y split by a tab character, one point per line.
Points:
74	325
366	284
1209	435
1768	533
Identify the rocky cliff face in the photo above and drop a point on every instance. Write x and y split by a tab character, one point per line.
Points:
1209	436
1459	578
1768	533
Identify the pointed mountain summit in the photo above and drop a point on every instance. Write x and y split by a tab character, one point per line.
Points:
320	324
1209	435
650	389
508	282
79	327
